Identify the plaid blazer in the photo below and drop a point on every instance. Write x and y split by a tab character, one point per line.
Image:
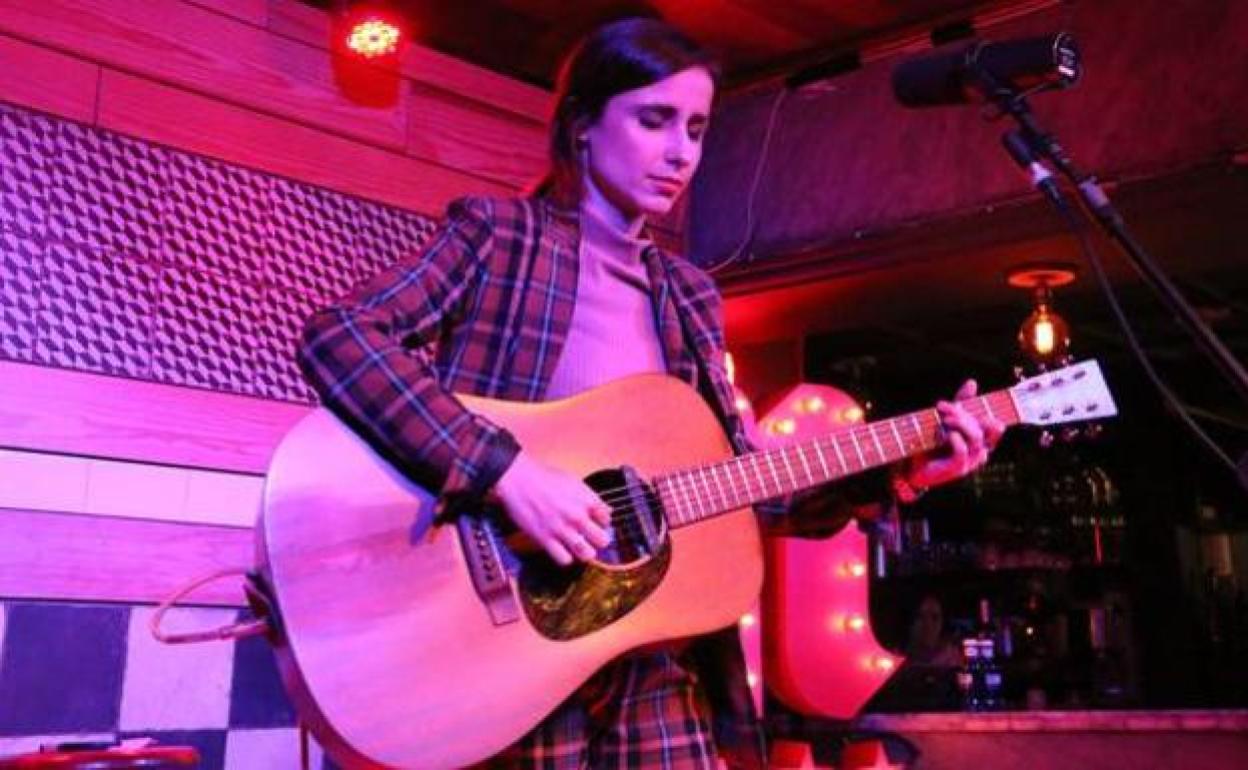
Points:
484	309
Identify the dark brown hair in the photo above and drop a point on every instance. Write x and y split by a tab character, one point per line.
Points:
614	58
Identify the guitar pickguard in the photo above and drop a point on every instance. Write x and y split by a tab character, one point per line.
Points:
569	602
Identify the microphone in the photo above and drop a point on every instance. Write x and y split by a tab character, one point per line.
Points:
961	76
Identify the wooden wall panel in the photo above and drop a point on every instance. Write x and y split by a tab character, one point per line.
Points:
93	558
208	75
190	47
255	12
54	410
191	122
62	85
475	137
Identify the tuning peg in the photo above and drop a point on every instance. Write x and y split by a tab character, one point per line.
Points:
1046	439
1020	372
1069	434
1093	430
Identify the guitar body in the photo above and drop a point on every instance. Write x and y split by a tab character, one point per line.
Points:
388	649
410	644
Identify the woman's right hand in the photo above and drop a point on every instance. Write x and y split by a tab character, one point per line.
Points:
558	510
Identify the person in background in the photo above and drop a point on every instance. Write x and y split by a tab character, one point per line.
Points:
930	643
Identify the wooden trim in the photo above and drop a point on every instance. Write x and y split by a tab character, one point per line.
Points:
198	124
46	481
62	86
59	410
475	137
94	558
254	12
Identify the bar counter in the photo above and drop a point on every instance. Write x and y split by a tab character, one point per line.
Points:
1068	740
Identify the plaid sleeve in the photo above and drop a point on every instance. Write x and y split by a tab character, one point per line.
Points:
370	358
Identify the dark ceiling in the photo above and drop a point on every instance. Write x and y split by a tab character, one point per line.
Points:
754	38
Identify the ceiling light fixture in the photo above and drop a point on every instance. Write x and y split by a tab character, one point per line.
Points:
1045	336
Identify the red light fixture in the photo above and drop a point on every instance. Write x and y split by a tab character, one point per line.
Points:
367	42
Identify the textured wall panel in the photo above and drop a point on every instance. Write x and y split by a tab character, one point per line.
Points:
206	331
96	311
385	234
107	192
27	145
311	248
130	259
218	217
276	375
21	268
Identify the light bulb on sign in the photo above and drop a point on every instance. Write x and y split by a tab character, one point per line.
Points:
852	569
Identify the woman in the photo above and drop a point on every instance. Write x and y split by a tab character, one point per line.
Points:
543	297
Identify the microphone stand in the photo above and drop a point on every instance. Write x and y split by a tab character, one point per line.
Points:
1045	145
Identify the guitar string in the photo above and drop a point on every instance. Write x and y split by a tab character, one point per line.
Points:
928	420
624	517
841	439
683	482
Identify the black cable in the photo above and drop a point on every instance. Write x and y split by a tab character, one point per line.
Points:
1090	253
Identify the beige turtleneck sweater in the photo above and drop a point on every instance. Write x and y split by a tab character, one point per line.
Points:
613	331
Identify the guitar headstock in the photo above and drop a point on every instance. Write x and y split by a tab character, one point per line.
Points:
1070	394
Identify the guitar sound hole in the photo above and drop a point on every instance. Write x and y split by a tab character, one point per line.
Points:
569	602
638	527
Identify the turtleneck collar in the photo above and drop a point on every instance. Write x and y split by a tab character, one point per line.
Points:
608	235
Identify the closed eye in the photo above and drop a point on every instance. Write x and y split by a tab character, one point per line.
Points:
654	117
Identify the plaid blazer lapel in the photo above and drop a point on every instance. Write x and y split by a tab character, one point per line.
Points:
678	354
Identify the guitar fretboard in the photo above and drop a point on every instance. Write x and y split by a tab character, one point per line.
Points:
695	494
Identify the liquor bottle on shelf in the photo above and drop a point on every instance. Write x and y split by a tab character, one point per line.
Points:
979	678
969	677
993	699
990	668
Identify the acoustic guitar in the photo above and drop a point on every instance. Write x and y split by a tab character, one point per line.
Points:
411	642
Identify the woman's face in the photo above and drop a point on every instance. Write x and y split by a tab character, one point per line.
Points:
642	151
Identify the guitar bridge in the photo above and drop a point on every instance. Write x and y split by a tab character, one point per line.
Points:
485	568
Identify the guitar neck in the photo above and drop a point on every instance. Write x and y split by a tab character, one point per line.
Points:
699	493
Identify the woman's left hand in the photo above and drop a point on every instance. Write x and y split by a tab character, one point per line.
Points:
969	440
